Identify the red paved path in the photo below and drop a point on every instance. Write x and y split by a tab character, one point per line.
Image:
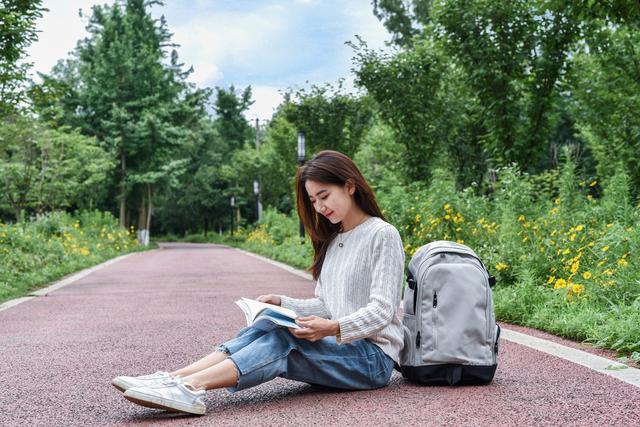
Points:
165	308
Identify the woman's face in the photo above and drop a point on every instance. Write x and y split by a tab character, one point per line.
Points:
330	200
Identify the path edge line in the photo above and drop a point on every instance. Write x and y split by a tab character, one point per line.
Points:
74	277
600	364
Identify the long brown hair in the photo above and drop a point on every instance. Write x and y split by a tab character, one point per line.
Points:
329	167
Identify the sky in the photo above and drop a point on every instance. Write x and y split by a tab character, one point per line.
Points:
271	45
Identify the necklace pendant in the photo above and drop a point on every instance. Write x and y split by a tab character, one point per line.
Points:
340	244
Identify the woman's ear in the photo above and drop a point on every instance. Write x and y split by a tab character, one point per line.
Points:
350	186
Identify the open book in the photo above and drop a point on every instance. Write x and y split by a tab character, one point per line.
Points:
265	316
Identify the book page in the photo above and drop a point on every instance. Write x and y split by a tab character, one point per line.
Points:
255	307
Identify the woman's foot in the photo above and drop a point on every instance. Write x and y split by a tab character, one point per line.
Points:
171	395
123	383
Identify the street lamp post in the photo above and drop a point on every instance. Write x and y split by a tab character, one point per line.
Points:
256	191
256	182
301	155
232	202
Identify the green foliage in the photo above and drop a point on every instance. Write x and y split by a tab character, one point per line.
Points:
381	159
607	98
330	118
17	31
124	88
232	127
46	169
421	96
51	245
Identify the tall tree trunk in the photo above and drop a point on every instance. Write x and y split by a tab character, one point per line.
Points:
141	214
123	188
149	207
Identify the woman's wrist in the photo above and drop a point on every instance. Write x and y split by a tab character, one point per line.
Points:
336	328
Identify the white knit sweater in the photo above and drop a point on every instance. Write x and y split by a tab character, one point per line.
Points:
360	286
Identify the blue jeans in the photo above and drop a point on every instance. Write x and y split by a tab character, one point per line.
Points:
262	356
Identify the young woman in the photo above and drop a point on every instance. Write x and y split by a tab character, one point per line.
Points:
350	334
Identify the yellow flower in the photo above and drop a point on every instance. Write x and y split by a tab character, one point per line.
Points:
572	237
557	201
551	279
608	272
447	217
622	262
501	266
521	218
609	225
418	217
593	183
460	241
580	227
554	211
586	275
605	248
84	251
577	289
575	267
560	283
566	251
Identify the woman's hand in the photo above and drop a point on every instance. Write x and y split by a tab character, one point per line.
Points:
270	299
315	328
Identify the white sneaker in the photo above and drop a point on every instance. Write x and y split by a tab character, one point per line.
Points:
171	395
123	383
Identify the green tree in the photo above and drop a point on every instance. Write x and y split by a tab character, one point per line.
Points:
331	118
125	88
46	169
232	127
606	98
425	100
17	32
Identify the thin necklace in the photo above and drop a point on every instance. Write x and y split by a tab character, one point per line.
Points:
340	242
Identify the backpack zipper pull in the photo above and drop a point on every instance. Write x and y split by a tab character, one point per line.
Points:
435	299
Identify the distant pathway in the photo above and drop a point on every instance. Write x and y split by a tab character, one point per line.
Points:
165	308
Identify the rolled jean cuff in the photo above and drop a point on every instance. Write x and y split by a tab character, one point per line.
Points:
238	386
223	349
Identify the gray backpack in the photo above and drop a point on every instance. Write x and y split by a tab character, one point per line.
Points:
450	332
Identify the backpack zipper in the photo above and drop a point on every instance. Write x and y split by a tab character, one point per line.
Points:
434	319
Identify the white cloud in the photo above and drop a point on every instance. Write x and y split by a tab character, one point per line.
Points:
60	29
204	74
216	37
267	98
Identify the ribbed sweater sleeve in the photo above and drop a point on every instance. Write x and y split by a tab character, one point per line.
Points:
307	307
387	264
